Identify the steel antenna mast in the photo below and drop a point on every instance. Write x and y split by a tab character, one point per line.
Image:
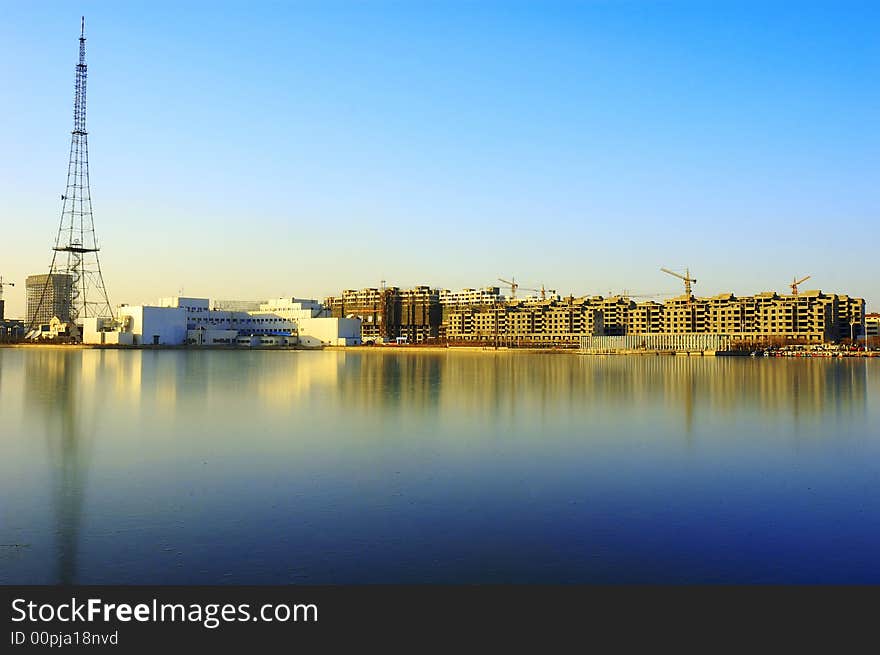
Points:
75	260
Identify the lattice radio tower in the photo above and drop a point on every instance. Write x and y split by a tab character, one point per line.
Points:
76	249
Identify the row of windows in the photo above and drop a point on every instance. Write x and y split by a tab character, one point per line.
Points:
216	321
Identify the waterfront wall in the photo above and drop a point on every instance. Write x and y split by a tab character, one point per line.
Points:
656	342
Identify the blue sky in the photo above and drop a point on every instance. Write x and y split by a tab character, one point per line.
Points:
249	150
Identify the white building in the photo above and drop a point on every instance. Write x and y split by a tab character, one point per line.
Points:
199	316
138	325
211	337
236	305
179	320
294	308
328	331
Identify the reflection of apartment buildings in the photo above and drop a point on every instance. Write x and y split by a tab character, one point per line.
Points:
811	389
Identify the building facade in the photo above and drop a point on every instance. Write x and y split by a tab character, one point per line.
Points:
810	317
376	309
179	320
48	296
391	314
471	297
420	314
525	323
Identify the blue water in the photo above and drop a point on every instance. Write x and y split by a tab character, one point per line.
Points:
338	467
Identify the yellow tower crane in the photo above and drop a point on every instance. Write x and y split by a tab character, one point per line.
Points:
543	291
513	286
795	282
688	280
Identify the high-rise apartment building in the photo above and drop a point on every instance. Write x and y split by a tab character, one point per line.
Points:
48	296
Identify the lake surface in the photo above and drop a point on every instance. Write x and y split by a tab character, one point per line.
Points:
338	467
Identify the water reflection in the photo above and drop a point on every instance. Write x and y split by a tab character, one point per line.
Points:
255	466
528	384
53	383
491	384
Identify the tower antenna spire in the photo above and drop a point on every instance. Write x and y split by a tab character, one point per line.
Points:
75	276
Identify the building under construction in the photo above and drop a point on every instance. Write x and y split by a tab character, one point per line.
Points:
526	323
484	316
391	314
806	317
420	314
809	317
376	308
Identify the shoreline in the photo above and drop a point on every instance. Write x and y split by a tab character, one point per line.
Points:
440	349
387	349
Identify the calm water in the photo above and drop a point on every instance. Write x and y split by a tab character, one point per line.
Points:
320	467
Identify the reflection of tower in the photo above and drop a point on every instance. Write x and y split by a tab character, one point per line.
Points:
690	391
52	379
76	249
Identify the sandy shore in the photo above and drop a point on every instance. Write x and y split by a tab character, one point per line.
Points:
443	349
370	349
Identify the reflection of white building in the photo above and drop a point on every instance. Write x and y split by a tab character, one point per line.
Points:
179	320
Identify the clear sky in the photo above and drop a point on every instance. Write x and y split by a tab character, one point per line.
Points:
256	149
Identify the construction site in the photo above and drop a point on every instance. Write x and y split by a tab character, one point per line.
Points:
487	317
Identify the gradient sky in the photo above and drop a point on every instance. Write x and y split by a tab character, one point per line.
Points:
250	150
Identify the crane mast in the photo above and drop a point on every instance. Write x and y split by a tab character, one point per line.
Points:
513	286
795	282
4	284
688	280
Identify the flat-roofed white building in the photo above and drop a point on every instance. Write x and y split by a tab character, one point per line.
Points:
236	305
179	320
138	325
294	308
200	316
328	331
